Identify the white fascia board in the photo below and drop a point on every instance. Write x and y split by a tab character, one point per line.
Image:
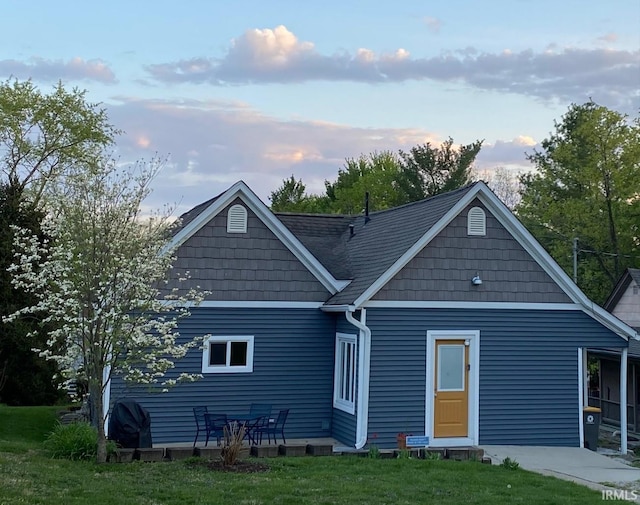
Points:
258	304
242	191
338	308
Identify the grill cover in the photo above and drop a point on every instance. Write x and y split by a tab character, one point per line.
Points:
130	425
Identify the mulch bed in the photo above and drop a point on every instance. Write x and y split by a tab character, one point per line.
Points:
241	466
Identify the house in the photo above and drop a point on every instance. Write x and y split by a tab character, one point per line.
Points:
441	318
624	303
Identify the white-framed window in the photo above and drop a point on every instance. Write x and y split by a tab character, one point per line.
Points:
228	354
237	219
476	222
344	380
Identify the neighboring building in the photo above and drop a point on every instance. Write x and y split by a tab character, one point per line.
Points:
443	318
624	303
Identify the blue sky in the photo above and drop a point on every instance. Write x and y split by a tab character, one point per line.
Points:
260	90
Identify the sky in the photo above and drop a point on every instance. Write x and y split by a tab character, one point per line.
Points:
260	90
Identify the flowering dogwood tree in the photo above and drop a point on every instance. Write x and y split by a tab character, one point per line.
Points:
100	276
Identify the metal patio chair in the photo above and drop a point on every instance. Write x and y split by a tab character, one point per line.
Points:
275	428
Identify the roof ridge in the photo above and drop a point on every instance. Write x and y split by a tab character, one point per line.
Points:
428	199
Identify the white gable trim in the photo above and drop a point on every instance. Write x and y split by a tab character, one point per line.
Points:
523	237
242	191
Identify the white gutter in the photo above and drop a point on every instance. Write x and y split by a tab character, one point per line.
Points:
364	365
106	397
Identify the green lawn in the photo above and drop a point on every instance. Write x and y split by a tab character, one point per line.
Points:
27	475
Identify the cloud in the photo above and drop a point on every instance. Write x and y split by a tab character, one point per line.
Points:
608	38
278	56
211	145
75	69
433	24
506	153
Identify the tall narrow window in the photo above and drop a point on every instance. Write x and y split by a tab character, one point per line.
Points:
344	381
476	222
237	219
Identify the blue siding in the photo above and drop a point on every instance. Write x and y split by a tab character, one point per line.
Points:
293	368
528	371
344	424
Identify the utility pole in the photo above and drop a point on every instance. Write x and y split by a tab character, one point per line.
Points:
575	260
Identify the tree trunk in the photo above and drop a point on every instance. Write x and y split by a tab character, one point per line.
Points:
96	399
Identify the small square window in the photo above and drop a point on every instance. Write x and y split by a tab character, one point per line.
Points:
228	355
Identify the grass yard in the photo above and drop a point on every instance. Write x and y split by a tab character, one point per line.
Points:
29	476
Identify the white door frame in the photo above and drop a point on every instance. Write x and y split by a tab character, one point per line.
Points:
473	336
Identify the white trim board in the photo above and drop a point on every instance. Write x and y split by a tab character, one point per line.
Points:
258	305
474	387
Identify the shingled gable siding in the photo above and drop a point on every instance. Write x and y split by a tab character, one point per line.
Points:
245	266
293	368
344	424
528	371
444	268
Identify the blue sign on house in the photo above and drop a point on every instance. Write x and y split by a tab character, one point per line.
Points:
417	441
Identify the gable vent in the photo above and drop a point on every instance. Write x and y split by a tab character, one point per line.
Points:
237	219
476	222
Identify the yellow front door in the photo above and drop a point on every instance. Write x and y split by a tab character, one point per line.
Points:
451	389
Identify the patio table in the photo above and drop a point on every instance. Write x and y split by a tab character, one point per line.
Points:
251	423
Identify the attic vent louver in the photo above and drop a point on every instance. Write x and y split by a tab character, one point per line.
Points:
237	219
476	222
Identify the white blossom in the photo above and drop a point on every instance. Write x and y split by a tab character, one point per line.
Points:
97	280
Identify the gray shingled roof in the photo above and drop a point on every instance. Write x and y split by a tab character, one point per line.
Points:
191	214
325	236
376	243
630	274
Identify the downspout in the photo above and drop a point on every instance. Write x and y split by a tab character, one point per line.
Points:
623	401
106	397
364	362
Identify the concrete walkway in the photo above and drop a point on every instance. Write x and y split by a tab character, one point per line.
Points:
570	463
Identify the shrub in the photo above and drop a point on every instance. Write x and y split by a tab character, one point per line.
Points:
75	441
374	451
510	464
232	445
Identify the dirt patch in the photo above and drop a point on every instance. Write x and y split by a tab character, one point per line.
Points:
242	466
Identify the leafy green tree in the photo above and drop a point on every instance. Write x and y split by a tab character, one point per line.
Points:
390	179
587	186
26	379
292	197
379	174
442	168
43	138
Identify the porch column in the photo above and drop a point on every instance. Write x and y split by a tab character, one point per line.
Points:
623	400
585	378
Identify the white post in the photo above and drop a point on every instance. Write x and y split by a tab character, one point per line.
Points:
623	400
581	403
585	377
